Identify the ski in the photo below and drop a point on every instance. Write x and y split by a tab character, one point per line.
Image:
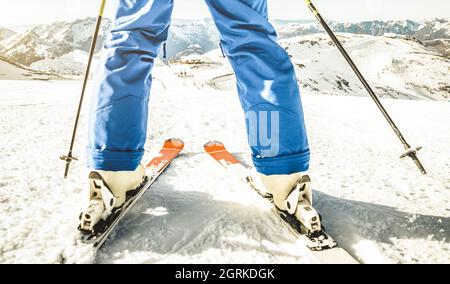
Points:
170	150
318	244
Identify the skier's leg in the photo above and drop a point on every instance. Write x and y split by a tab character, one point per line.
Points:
268	91
267	86
118	121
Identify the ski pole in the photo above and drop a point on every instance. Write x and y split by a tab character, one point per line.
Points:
410	152
69	157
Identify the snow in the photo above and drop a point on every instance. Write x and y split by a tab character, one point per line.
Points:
435	29
10	71
396	68
59	38
73	63
376	206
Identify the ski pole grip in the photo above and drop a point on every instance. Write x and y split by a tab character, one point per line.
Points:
312	8
102	8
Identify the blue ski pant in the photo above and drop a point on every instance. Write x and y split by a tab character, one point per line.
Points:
266	84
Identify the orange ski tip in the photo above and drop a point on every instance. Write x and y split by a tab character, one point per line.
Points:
174	143
212	143
218	151
170	150
213	146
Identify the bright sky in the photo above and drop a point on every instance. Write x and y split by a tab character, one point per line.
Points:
29	12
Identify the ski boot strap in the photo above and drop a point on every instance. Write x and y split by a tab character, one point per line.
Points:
299	204
100	190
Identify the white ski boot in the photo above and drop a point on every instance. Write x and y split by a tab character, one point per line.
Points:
291	194
108	191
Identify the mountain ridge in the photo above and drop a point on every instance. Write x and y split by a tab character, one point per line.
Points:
61	38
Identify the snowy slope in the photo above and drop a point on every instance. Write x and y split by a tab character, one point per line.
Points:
14	71
5	34
73	63
378	207
441	46
396	68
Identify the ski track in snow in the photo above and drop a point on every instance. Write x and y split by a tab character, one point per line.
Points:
376	206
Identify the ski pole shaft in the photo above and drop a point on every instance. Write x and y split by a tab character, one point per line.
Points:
69	157
409	151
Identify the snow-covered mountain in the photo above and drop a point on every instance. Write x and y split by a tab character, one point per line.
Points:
399	67
376	28
72	63
52	41
14	71
192	50
44	46
436	29
66	37
191	37
60	38
396	68
5	33
26	48
425	30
